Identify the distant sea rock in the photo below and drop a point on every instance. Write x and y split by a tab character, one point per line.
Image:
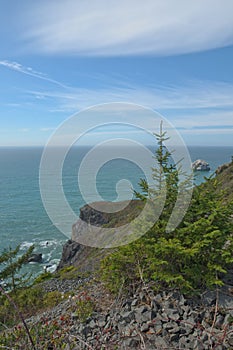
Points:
200	165
35	257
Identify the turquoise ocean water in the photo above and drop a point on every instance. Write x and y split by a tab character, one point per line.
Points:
23	218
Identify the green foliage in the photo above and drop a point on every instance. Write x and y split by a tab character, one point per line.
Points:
193	256
52	298
11	264
165	175
43	277
68	272
84	306
230	320
72	272
46	334
29	301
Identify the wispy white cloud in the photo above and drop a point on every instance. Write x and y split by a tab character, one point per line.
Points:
128	27
198	108
46	129
29	71
195	95
24	130
13	104
204	119
208	131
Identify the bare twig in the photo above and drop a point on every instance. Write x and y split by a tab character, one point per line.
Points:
215	316
82	341
2	324
142	340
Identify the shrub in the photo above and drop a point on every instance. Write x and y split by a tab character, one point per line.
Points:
84	306
43	277
68	272
29	301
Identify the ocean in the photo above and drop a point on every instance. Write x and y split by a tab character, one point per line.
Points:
23	219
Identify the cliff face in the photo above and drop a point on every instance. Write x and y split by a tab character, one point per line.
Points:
83	257
78	255
88	258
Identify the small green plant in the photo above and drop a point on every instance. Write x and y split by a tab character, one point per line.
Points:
230	320
84	306
68	272
52	298
29	301
45	334
20	315
43	277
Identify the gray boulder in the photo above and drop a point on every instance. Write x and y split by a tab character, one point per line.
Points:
35	257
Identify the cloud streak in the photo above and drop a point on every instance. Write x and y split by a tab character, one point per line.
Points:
195	95
15	66
197	108
132	27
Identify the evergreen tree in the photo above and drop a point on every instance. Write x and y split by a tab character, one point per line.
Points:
11	264
193	256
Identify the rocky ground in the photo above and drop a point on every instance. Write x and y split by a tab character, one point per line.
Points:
159	321
145	320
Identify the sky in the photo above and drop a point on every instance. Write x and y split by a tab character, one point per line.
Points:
58	58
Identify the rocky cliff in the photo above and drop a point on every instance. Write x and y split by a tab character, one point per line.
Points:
87	258
83	257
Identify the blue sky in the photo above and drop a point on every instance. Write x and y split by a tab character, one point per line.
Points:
59	57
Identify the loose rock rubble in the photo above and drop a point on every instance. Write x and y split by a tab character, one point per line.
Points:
157	321
63	286
146	320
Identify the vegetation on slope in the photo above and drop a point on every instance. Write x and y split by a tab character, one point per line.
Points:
225	181
192	257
